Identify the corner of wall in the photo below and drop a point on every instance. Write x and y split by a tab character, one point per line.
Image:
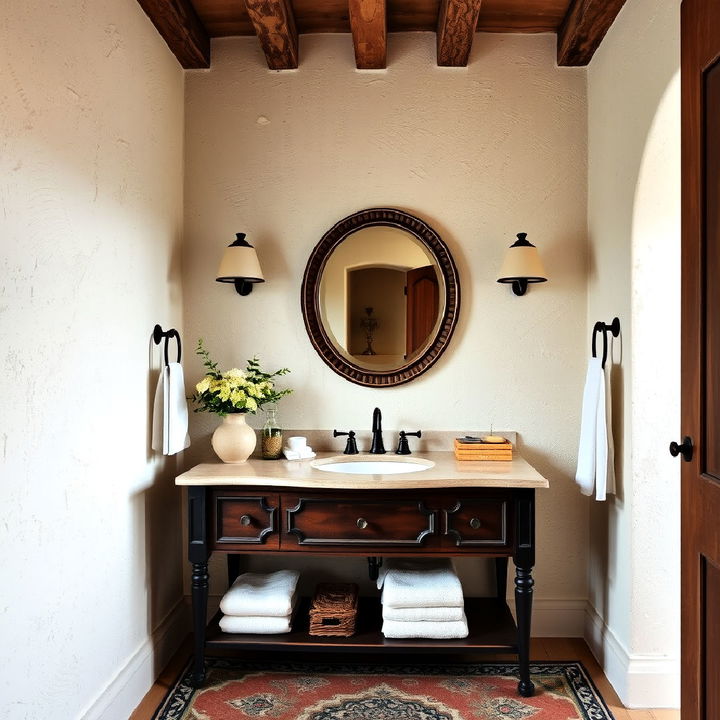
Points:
641	681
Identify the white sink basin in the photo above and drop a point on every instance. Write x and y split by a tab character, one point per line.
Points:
371	466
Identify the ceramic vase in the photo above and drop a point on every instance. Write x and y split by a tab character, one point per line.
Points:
234	440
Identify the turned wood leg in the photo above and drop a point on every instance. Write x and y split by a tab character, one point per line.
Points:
199	605
501	568
523	605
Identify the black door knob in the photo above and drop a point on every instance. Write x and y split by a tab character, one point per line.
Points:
686	449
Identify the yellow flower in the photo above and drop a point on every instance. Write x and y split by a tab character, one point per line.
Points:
237	398
224	390
234	374
203	385
251	405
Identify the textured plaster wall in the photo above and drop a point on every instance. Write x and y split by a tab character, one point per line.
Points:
634	231
91	134
480	153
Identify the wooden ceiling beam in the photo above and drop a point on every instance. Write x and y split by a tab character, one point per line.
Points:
181	28
583	29
456	26
368	22
274	23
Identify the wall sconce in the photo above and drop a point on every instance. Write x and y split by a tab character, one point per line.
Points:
522	265
240	266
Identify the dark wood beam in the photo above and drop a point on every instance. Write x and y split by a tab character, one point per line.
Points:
368	21
182	30
455	30
274	23
583	29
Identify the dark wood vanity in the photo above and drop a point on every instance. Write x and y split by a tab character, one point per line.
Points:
469	509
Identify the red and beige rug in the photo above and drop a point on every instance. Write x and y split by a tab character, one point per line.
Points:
300	691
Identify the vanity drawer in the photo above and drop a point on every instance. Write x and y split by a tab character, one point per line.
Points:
341	521
477	522
242	521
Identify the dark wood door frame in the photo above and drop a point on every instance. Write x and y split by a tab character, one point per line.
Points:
700	360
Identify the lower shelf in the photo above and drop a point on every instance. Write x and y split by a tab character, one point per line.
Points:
491	626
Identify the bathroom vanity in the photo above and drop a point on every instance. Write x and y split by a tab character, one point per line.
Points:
449	508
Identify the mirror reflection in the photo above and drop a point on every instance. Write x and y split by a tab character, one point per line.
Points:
381	298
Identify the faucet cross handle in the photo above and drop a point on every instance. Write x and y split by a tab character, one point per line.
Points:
403	447
351	445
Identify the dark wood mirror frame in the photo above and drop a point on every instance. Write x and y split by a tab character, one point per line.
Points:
311	292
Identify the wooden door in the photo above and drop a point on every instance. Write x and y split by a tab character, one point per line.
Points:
700	360
423	296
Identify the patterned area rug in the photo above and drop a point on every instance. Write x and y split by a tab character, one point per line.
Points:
303	691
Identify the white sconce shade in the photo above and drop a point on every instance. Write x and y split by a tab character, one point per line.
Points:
240	266
522	265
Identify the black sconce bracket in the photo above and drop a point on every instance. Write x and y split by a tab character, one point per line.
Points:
243	287
520	286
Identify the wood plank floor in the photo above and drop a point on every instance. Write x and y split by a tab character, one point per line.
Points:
541	649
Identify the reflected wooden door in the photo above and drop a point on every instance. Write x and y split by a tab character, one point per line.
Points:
700	360
423	295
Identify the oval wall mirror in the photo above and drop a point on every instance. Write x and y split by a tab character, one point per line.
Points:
380	297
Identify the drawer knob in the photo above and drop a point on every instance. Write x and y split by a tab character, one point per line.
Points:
475	523
362	523
245	520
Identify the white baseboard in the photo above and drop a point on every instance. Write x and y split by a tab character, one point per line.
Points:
641	681
125	691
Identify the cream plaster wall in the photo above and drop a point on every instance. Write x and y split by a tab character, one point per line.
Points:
91	135
480	153
634	231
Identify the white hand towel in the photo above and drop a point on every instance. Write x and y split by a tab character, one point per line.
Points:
420	583
170	412
605	447
423	614
433	630
585	474
609	425
255	625
261	594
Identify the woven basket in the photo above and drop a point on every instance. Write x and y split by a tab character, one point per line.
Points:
334	610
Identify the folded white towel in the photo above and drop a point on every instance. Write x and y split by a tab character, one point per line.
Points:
261	594
587	450
170	412
605	447
423	614
420	583
596	452
255	625
303	454
433	630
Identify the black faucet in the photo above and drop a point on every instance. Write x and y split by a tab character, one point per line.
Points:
403	446
351	445
377	447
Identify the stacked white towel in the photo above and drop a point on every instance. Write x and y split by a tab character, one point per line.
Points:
422	599
260	603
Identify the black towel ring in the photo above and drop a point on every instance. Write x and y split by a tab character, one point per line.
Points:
159	334
613	327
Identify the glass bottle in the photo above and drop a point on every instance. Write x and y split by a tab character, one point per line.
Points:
272	435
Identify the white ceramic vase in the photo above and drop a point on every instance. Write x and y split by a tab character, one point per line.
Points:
234	440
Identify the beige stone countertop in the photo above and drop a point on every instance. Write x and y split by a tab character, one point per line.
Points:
445	472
